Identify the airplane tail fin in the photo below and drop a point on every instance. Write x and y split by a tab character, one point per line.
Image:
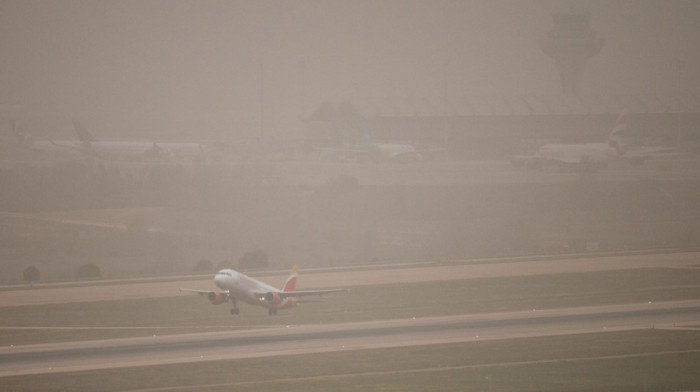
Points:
83	134
291	282
615	138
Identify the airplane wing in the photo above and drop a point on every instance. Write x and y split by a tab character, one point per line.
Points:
300	293
200	292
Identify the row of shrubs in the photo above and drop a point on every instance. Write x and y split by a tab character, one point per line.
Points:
252	260
85	271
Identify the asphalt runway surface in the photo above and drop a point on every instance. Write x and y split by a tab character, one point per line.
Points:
265	341
291	340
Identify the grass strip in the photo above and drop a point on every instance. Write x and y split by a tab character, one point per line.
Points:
617	361
112	319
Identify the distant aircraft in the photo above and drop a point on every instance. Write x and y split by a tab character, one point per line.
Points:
89	146
400	152
27	141
238	286
583	155
374	152
125	150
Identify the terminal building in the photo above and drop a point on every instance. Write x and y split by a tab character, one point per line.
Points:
493	126
483	127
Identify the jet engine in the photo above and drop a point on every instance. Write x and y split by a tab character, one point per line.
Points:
273	298
216	298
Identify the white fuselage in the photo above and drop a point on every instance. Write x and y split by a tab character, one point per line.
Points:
237	286
244	288
394	151
124	150
577	153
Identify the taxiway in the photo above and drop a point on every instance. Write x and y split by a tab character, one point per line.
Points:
304	339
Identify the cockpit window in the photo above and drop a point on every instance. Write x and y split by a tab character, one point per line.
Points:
225	273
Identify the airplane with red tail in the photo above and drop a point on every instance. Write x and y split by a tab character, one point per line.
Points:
237	286
581	155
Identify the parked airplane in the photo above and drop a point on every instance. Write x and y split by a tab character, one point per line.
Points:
130	150
400	152
27	141
584	155
238	286
374	152
89	146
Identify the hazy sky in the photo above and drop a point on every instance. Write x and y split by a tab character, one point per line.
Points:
193	67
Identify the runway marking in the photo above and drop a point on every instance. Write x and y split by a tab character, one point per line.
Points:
142	351
419	370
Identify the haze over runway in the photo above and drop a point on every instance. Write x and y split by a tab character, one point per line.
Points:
306	339
480	183
278	340
182	68
113	290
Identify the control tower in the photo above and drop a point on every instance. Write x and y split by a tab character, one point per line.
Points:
570	43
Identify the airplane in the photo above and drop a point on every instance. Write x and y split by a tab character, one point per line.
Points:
370	149
237	286
27	141
583	155
138	150
89	146
373	152
400	152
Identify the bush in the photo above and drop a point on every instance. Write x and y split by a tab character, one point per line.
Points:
88	271
31	274
256	259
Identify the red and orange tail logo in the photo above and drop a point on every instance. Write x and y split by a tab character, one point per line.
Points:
291	282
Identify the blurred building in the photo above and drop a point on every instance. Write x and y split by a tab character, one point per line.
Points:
493	126
571	42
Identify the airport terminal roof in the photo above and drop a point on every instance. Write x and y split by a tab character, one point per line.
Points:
522	105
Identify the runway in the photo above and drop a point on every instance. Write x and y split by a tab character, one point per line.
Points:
302	339
42	294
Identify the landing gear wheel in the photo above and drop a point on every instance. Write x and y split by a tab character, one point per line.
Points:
234	308
272	312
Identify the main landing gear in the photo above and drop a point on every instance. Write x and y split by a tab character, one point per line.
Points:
272	312
234	309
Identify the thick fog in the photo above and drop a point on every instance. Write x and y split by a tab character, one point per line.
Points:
291	111
193	69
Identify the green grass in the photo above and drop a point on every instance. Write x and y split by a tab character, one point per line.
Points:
187	313
652	360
